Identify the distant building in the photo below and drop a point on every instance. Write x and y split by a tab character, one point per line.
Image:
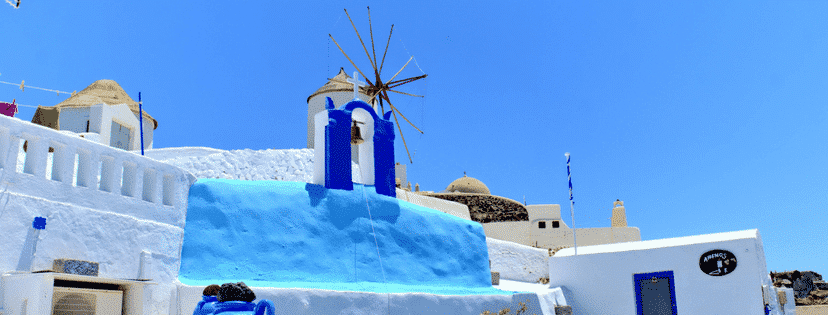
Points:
102	112
532	225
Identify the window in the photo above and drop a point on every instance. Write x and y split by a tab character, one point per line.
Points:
556	224
541	224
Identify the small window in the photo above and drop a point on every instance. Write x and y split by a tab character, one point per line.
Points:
541	224
556	224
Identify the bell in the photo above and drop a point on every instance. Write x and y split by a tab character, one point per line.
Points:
356	135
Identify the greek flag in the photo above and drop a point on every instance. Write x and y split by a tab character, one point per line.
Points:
571	205
569	175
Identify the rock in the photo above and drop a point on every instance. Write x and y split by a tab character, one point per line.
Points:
819	294
488	208
235	292
802	287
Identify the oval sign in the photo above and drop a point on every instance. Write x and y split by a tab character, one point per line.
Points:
717	262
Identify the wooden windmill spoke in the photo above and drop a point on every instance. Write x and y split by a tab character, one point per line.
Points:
378	90
401	69
352	62
360	40
373	50
389	90
386	49
404	81
394	108
401	134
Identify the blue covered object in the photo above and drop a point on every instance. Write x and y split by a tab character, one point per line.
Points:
298	235
205	306
264	307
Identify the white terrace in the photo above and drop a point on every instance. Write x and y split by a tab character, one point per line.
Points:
90	174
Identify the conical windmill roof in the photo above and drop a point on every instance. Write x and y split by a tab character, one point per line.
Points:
334	86
107	92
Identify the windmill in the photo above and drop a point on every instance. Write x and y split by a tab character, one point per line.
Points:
377	87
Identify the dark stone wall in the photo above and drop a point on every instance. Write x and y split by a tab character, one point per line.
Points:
487	208
808	286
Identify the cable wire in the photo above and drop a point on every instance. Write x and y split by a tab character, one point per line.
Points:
34	87
367	205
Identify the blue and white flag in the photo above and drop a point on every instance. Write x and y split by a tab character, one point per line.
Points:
571	205
569	175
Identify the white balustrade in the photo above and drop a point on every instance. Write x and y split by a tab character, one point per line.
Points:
99	169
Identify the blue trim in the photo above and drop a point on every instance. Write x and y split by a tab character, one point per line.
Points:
639	308
338	149
140	122
39	223
360	104
384	171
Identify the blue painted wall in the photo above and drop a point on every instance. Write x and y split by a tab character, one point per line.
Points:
292	234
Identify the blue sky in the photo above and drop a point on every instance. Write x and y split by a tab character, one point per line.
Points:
703	117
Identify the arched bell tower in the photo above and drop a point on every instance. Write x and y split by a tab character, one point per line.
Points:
332	148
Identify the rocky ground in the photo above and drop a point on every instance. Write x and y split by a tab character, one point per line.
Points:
808	286
487	208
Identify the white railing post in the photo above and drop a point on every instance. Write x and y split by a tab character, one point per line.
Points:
11	157
5	141
117	173
130	178
150	185
64	164
36	151
168	189
88	166
110	169
54	166
138	189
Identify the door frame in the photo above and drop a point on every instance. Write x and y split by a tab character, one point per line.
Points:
639	307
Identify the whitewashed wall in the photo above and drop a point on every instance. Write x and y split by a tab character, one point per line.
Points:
366	149
518	262
74	119
101	204
454	208
149	130
600	279
515	231
102	116
317	104
113	240
551	238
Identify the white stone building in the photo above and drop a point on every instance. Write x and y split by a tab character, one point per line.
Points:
102	112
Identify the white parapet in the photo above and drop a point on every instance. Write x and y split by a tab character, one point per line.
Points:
90	174
454	208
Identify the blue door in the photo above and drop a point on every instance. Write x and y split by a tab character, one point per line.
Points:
655	293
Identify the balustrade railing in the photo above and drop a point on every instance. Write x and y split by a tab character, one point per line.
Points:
85	166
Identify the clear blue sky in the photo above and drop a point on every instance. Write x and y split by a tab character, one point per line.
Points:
703	117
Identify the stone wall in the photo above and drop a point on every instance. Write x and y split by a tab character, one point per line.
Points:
808	286
487	208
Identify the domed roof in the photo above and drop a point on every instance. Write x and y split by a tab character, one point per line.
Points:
339	85
469	185
107	92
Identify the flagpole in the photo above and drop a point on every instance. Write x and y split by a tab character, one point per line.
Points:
141	122
571	204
